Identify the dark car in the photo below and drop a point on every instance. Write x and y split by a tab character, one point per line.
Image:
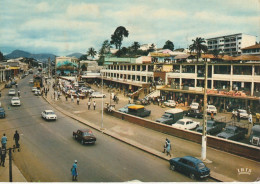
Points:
13	82
9	85
195	113
85	136
190	166
233	133
213	127
2	112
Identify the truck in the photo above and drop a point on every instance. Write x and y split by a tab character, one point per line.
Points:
138	110
213	127
37	81
171	116
254	138
233	133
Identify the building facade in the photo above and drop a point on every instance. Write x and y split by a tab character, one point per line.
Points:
231	44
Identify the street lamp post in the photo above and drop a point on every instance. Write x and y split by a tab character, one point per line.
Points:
102	103
204	132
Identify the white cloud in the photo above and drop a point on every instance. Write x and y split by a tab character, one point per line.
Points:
42	7
83	9
168	13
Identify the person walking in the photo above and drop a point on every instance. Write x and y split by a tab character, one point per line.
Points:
168	149
129	100
250	118
233	115
74	171
66	96
165	145
16	138
3	141
3	155
72	98
94	105
212	116
89	103
18	93
78	99
238	116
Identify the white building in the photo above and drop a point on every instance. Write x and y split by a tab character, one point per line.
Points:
231	44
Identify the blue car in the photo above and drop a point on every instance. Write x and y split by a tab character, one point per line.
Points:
2	112
125	108
190	166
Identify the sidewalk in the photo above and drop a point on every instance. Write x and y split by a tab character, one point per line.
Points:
224	166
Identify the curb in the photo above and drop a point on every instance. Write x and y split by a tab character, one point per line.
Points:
213	175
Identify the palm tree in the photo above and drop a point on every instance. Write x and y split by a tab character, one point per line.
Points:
198	47
91	52
135	46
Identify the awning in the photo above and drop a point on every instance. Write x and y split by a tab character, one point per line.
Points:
14	68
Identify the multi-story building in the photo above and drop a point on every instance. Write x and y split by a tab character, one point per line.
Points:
231	44
251	50
66	65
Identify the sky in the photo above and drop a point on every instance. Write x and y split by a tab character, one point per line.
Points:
62	27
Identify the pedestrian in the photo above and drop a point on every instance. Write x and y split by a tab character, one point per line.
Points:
3	155
238	116
58	94
18	93
78	99
89	103
129	100
250	118
16	85
165	145
3	141
16	138
212	115
94	105
74	171
66	96
168	149
72	98
158	101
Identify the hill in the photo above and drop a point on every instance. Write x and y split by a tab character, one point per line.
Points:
76	54
20	53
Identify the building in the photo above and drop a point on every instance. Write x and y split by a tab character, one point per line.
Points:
251	50
231	44
66	65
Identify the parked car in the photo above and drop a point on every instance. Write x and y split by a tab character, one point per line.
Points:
9	85
34	89
13	82
11	92
97	95
254	138
211	108
49	115
194	105
138	110
243	113
186	124
37	92
2	112
171	116
190	166
84	136
213	127
15	101
170	103
195	113
125	108
31	81
232	133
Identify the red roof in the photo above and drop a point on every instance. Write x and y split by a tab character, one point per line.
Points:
256	46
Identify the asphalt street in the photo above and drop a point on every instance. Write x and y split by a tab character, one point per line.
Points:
48	149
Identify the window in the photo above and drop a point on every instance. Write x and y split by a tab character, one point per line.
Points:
242	70
188	69
222	69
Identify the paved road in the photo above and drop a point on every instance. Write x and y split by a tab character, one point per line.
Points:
48	149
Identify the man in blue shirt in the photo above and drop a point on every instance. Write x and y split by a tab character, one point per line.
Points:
3	141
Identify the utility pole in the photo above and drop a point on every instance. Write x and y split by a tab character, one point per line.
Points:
204	132
102	102
10	162
49	67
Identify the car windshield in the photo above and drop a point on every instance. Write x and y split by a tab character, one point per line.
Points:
87	134
229	130
256	133
211	107
11	90
49	113
180	122
201	166
210	124
242	111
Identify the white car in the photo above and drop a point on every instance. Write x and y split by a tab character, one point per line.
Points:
211	108
186	124
31	81
98	95
49	115
34	89
37	92
170	103
15	101
11	92
194	105
243	113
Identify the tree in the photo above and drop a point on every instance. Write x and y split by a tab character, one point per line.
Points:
151	48
105	48
1	56
168	45
117	37
215	53
198	47
135	46
91	52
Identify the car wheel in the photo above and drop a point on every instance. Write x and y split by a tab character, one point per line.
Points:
197	126
82	142
192	176
172	167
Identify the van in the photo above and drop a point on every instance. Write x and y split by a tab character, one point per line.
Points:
138	110
171	116
255	135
